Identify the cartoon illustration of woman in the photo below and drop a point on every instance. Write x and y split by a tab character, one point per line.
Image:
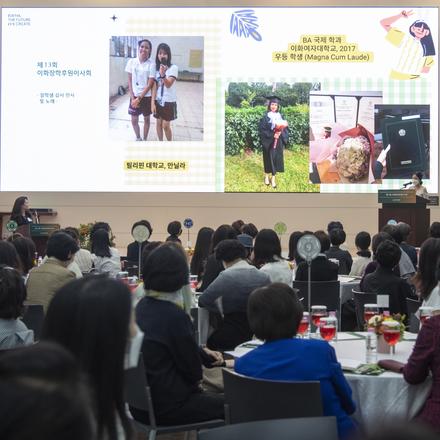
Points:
164	105
417	48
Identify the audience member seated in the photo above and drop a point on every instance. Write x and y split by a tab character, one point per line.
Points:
267	257
426	278
13	332
26	250
274	315
237	225
321	268
362	242
201	252
173	361
424	360
334	224
105	258
43	395
175	231
133	247
249	229
434	230
293	242
405	269
9	256
73	266
372	265
93	318
337	237
45	280
384	281
214	266
405	231
83	258
233	286
247	241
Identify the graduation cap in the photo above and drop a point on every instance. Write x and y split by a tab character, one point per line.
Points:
274	98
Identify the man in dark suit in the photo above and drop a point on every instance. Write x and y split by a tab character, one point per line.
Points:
321	268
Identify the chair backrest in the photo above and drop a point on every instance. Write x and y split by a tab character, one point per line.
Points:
248	399
138	392
310	428
412	306
360	299
33	317
325	293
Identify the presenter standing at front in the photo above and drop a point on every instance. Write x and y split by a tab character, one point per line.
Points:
417	181
20	211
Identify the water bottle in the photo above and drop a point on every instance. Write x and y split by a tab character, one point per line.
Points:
370	347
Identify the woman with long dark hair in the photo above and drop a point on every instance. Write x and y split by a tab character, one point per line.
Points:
163	104
25	248
201	251
92	317
20	211
267	257
9	256
105	258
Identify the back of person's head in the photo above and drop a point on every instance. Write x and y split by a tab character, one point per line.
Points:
362	240
237	225
293	242
91	317
434	230
267	246
100	241
337	236
61	246
388	254
378	239
223	232
166	268
25	248
174	228
100	225
429	258
148	248
324	240
145	223
43	395
334	224
404	229
274	312
201	249
230	250
249	229
12	293
73	232
394	231
9	255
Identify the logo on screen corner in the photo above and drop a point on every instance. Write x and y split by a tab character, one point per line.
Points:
244	23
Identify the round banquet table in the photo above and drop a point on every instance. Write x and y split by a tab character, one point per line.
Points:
378	398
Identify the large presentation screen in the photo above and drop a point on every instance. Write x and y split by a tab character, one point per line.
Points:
209	99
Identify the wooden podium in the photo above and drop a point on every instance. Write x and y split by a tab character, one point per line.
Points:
39	233
405	206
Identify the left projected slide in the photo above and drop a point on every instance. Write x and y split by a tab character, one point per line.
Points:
204	99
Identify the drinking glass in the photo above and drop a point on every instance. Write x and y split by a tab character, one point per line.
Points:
370	310
318	312
304	325
193	282
391	333
327	328
425	313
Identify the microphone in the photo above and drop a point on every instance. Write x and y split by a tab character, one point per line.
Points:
407	183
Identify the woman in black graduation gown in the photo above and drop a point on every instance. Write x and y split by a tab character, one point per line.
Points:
273	136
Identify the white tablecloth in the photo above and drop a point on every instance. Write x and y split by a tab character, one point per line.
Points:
378	398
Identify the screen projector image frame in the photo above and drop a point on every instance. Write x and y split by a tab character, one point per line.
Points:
68	129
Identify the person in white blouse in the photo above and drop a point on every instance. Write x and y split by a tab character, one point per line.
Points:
105	258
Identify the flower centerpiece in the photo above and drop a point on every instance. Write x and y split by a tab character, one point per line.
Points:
377	323
84	235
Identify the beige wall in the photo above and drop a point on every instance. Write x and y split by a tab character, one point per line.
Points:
299	211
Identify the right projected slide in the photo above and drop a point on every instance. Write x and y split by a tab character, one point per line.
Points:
336	99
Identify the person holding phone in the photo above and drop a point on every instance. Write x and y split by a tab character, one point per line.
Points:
164	100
